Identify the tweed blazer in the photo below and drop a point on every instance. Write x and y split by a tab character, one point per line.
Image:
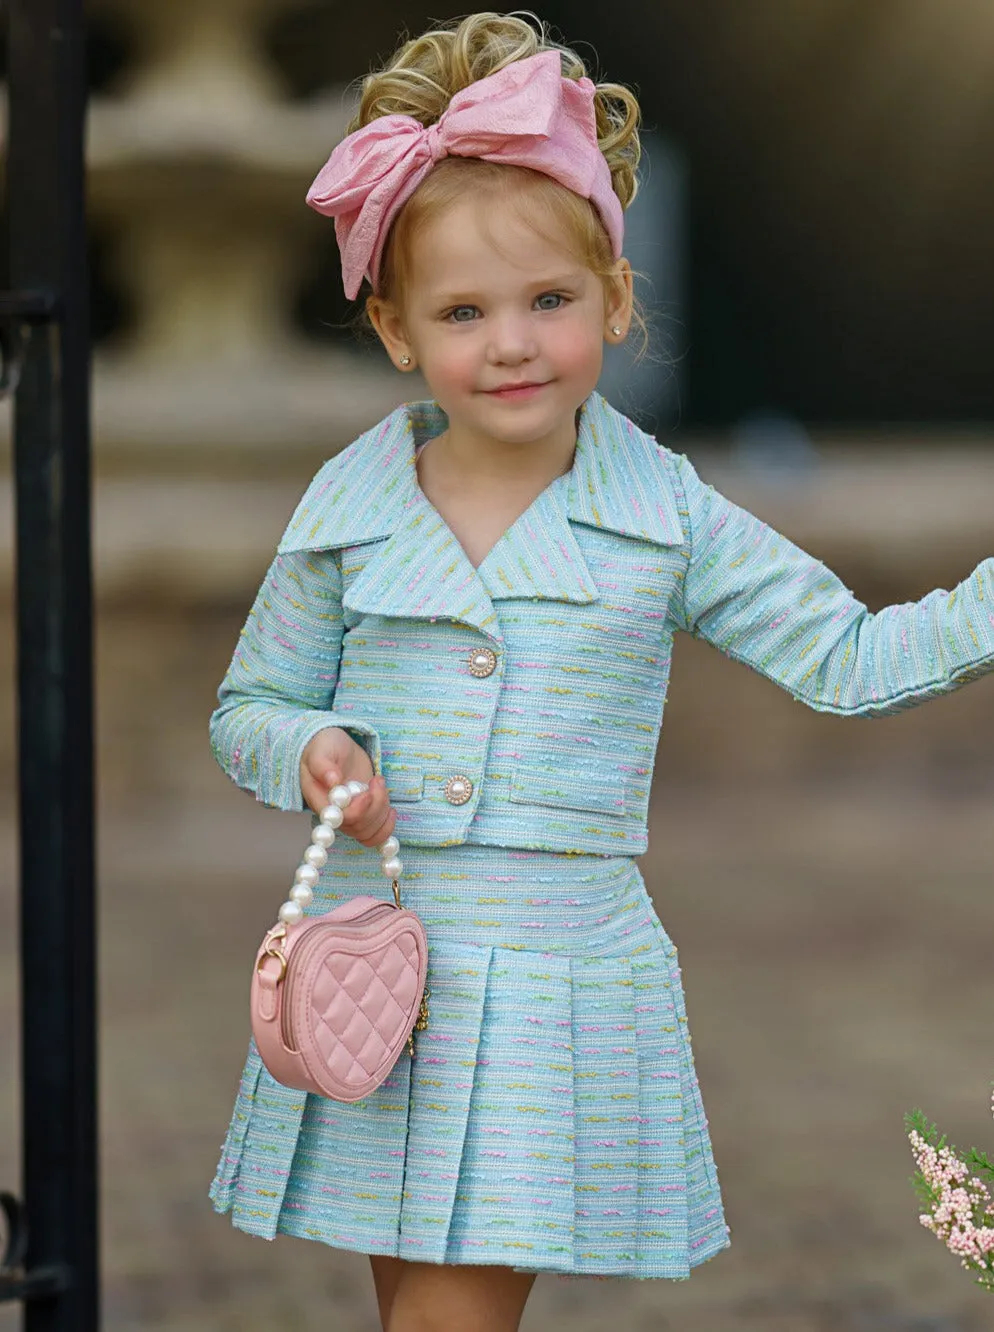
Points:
372	618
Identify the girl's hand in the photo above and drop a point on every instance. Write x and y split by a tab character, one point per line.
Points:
333	757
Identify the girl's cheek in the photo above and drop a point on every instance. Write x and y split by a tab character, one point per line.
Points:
577	346
458	365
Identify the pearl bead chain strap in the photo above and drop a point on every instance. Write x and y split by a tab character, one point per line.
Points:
315	856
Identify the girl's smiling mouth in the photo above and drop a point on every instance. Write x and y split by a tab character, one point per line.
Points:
515	392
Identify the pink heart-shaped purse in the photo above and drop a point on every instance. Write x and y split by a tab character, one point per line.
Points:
335	997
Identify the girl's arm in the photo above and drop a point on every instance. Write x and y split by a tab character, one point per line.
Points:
282	678
761	600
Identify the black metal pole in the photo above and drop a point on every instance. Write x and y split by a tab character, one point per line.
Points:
45	194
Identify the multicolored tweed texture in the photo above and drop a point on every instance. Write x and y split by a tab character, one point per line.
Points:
552	1119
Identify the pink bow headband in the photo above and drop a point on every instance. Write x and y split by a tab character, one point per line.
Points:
526	114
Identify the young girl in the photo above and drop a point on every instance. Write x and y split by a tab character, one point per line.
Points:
472	610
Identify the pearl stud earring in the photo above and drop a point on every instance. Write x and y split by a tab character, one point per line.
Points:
405	360
616	330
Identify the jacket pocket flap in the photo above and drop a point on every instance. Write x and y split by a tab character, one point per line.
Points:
595	790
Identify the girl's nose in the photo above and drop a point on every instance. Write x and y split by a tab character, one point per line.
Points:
512	342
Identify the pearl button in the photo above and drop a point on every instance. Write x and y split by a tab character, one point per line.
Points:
458	790
482	662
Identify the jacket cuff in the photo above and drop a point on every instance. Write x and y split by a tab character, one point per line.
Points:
277	781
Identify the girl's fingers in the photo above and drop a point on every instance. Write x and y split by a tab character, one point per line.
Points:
314	798
368	818
370	813
355	812
364	810
381	833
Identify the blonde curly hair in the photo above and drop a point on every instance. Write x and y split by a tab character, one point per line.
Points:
422	77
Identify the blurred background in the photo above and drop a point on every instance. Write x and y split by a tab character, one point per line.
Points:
815	233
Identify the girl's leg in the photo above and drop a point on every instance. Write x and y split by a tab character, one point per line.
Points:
386	1275
427	1297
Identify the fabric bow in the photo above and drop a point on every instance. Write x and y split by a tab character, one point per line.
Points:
526	114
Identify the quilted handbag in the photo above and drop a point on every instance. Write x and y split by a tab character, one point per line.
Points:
336	997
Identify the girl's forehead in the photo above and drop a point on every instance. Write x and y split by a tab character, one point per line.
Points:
489	237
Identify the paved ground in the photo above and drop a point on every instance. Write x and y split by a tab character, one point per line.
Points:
831	887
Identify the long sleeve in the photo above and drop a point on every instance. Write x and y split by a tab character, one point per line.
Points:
764	602
278	689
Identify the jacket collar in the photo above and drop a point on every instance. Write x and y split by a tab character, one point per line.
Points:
617	483
369	493
362	493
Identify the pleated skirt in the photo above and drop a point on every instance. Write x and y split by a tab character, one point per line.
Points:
551	1118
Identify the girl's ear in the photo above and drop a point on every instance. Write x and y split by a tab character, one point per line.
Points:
618	303
386	319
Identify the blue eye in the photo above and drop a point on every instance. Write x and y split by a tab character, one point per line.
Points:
547	296
463	314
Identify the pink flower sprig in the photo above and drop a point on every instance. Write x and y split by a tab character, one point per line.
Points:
957	1204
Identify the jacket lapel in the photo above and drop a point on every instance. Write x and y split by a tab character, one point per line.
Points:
616	484
368	495
422	573
538	556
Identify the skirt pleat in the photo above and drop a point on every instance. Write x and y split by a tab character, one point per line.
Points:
551	1119
444	1078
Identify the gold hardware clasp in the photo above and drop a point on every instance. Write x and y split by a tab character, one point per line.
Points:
421	1023
273	949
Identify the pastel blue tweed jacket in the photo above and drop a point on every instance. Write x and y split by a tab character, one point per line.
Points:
371	614
552	1118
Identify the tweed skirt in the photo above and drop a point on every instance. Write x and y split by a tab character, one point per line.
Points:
551	1118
